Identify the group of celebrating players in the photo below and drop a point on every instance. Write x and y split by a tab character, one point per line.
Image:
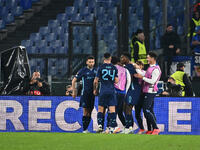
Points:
123	85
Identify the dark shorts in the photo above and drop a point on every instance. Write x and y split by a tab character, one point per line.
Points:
120	100
133	95
107	100
87	100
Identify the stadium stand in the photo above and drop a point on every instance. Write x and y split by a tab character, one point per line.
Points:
47	31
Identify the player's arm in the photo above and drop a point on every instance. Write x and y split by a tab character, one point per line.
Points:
116	80
95	85
128	80
154	78
142	72
74	92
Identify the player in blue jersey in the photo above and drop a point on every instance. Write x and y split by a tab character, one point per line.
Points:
121	88
107	75
133	92
87	74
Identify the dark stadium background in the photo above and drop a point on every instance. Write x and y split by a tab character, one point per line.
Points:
59	34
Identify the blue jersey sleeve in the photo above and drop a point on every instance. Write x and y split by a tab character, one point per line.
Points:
80	74
116	71
98	72
131	69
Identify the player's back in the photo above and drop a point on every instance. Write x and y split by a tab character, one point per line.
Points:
106	74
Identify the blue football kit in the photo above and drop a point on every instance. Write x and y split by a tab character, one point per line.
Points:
87	97
134	91
106	74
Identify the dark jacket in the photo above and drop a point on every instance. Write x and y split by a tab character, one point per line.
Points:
188	86
167	39
174	90
34	89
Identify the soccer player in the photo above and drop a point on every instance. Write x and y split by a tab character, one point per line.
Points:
133	92
121	87
150	78
107	74
138	107
87	74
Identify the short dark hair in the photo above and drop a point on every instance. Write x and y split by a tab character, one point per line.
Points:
115	60
139	31
169	24
127	55
106	55
180	65
140	63
90	57
153	55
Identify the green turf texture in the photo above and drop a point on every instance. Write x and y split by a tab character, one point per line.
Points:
80	141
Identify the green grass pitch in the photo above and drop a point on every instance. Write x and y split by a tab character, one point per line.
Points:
79	141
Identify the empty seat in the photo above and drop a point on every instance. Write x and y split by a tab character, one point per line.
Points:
59	30
31	49
26	4
2	24
77	50
76	17
2	3
89	18
56	43
11	4
50	37
39	65
42	43
64	37
61	17
63	50
46	50
53	24
18	11
9	18
85	44
43	31
84	10
26	43
79	3
35	37
70	10
91	4
52	65
3	12
62	68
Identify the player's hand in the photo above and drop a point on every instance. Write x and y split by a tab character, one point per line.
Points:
165	93
33	81
39	84
178	51
74	93
171	46
95	92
